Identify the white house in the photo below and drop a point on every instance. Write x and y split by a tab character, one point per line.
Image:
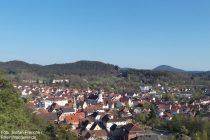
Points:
118	122
100	98
47	103
25	93
61	102
84	106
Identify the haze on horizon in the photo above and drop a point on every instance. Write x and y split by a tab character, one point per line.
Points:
139	34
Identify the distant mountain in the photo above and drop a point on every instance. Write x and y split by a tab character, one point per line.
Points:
169	69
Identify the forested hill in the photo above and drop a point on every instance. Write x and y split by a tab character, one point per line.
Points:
82	68
78	68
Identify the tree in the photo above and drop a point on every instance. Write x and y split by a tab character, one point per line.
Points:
197	94
196	127
196	136
184	130
204	135
146	105
152	113
141	118
50	129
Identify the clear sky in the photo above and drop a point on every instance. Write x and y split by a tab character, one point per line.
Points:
129	33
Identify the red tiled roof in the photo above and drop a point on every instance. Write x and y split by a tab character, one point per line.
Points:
124	99
93	108
136	128
98	133
75	117
132	128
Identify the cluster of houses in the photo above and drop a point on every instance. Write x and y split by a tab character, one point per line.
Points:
97	114
54	81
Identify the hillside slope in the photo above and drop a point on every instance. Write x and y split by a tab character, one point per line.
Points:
15	116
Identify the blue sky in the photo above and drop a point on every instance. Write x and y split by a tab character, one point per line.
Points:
129	33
